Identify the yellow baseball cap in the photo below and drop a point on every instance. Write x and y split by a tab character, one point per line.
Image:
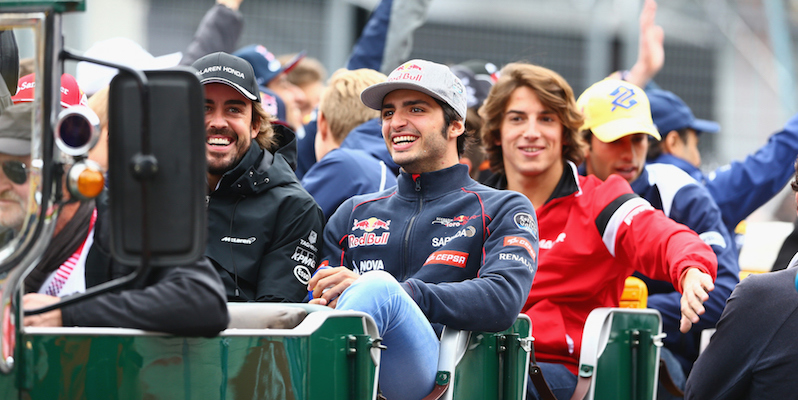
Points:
614	109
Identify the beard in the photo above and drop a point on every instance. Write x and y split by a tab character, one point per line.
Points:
219	164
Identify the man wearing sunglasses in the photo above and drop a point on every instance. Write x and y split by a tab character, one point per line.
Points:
14	159
78	258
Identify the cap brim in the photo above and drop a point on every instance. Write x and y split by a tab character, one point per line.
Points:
244	92
15	147
702	125
616	129
294	61
372	96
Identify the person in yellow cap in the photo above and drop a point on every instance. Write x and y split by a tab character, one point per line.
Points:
618	123
593	234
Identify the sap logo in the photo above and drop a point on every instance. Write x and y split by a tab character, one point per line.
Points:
623	97
548	243
368	239
515	258
370	265
302	274
229	239
305	257
469	231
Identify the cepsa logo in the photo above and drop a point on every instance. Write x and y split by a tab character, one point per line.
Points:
520	242
454	258
371	224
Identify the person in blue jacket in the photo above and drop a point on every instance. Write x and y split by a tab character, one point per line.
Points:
739	188
342	172
439	248
616	146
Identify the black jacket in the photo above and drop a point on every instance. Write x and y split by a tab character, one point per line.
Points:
183	300
264	229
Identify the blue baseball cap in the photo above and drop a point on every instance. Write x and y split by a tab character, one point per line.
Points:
670	113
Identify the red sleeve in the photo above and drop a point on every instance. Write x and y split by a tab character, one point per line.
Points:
646	240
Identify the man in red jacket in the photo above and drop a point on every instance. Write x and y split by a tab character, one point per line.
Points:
593	234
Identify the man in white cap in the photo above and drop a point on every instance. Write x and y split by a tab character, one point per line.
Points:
439	248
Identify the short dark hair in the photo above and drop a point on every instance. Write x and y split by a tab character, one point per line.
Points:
655	146
450	115
794	182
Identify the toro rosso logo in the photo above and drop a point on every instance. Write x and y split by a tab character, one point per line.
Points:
459	220
371	224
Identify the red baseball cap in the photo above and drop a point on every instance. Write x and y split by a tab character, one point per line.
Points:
71	95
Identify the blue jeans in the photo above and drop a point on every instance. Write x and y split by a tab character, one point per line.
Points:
561	381
410	362
676	372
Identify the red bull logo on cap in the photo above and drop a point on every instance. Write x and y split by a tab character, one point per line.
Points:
371	224
408	71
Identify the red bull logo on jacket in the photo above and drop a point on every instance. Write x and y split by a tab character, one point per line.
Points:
368	239
371	224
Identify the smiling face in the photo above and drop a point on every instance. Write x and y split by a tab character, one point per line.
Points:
625	157
531	138
13	196
228	126
414	130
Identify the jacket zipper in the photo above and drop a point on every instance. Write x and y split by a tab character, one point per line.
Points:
406	242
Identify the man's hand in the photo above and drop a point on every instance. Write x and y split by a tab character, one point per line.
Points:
696	286
336	279
651	50
231	4
32	301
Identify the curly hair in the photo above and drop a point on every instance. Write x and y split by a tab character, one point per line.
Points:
552	91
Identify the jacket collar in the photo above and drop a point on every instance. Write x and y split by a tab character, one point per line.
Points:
568	184
682	164
434	184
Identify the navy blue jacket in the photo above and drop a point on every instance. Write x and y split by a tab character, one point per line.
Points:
753	354
741	187
464	252
343	173
685	201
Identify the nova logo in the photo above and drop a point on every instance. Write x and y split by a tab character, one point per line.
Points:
370	265
623	97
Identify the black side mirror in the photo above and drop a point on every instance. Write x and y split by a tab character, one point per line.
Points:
167	186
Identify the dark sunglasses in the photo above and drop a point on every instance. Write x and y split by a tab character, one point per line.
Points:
16	171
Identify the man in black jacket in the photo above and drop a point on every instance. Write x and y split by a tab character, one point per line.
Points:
184	300
263	226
